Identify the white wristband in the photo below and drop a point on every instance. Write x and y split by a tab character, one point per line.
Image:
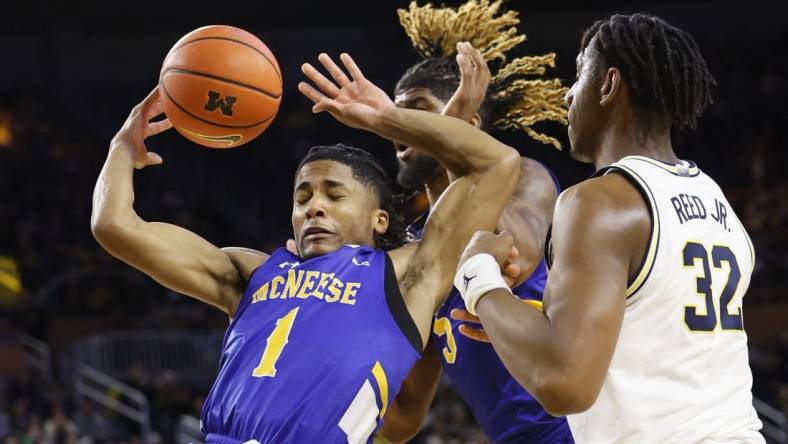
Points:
476	277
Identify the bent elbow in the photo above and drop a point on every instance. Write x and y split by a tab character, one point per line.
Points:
105	231
100	228
511	161
561	397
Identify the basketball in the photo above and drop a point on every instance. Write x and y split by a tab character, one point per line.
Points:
221	86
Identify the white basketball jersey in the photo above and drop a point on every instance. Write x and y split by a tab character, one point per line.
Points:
680	372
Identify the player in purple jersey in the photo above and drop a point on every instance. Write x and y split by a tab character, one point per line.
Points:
504	410
318	343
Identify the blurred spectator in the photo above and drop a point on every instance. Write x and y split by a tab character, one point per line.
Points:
92	423
58	429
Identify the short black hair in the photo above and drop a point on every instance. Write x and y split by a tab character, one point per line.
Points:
368	171
661	64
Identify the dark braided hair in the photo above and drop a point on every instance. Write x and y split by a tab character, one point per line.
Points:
368	171
661	64
517	97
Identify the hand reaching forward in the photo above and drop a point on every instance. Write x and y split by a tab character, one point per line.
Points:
354	100
139	127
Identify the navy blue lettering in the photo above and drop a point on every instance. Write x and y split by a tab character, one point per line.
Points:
679	211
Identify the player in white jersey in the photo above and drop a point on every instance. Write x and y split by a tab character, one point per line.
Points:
641	339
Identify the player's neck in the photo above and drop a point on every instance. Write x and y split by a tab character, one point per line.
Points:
436	185
636	136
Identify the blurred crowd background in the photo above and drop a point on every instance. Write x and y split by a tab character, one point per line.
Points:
72	73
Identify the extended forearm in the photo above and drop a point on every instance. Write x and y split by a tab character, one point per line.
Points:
457	145
530	348
113	197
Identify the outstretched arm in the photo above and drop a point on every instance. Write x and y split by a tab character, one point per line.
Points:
488	173
561	355
174	257
358	103
527	215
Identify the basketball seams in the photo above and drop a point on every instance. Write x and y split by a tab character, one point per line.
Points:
273	65
202	119
222	79
214	57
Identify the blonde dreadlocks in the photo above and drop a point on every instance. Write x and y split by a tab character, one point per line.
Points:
515	100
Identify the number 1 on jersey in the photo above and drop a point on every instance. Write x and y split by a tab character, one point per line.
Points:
275	344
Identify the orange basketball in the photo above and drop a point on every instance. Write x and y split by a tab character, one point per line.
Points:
221	86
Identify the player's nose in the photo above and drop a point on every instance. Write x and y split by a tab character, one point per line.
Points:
315	209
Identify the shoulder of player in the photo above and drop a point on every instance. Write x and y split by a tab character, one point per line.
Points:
607	203
246	260
533	172
536	186
534	167
401	257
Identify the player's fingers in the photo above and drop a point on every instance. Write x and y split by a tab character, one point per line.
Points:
326	86
350	65
459	314
152	96
310	92
466	70
506	237
477	57
151	103
336	72
514	253
153	159
157	127
474	333
511	271
470	52
140	156
328	105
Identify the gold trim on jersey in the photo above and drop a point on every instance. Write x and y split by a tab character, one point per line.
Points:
685	171
534	303
383	385
653	241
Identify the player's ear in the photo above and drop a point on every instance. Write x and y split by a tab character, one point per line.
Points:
611	86
476	120
381	221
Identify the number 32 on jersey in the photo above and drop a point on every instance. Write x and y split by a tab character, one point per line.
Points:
696	256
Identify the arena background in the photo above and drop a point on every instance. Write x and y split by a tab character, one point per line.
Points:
75	321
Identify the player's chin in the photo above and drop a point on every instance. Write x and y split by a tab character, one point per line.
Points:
575	150
318	247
